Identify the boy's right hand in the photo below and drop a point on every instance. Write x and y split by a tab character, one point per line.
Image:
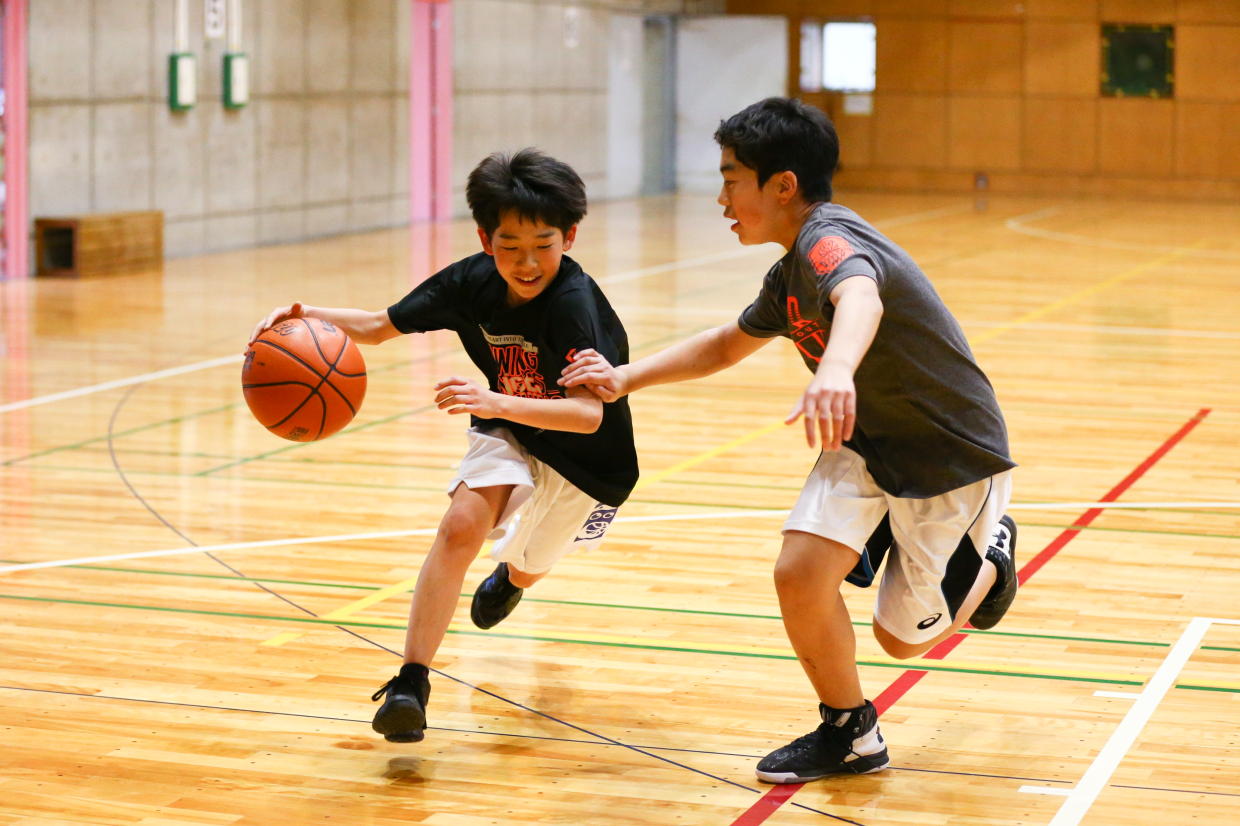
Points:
589	368
294	310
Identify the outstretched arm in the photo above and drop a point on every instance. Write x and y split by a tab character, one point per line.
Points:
700	355
362	326
829	404
580	412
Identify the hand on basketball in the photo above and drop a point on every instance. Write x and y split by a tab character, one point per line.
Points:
294	310
590	369
829	406
458	395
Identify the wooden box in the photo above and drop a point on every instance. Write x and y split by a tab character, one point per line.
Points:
101	244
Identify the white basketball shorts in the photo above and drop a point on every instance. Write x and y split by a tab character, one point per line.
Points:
841	502
546	516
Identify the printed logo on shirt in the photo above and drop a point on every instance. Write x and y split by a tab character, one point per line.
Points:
807	334
596	523
827	254
517	362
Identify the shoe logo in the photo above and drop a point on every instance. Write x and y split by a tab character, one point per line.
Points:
928	621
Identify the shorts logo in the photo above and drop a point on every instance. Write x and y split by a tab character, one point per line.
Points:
928	621
597	523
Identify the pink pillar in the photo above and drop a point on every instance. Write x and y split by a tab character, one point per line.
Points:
430	110
16	217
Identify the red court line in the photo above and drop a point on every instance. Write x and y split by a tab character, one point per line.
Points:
779	795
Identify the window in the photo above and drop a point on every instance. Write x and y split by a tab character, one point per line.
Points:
848	57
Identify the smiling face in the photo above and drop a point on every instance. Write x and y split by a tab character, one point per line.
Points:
756	210
527	254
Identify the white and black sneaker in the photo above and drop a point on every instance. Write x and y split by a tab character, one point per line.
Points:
1002	554
847	742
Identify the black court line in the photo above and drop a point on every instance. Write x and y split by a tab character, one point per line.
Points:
574	740
134	492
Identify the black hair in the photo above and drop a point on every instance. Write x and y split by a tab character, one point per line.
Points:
535	186
783	134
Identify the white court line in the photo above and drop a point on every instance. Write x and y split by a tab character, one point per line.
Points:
112	385
348	537
671	517
1082	796
1018	224
1118	695
1061	506
631	275
1110	329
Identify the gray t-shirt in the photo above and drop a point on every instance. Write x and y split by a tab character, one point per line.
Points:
927	418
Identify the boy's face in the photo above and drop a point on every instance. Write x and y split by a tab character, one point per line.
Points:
527	254
754	209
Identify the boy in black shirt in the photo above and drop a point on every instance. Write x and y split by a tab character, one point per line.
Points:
914	460
546	467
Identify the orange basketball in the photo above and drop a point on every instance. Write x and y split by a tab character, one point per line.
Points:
303	379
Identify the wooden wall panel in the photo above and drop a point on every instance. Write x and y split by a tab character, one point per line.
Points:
1207	140
910	131
856	134
1011	9
1208	11
1135	137
1138	11
1062	9
1062	58
1207	63
985	57
913	8
912	56
1060	135
983	133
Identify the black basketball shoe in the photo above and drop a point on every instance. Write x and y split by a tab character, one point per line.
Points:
847	742
402	717
495	598
1002	553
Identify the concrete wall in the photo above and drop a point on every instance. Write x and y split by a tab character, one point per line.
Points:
320	149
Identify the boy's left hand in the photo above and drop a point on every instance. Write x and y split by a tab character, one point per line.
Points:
829	406
458	395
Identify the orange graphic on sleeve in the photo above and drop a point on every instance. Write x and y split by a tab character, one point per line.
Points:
827	254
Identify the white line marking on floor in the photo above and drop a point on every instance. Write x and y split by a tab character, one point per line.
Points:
112	385
631	275
1099	773
1019	224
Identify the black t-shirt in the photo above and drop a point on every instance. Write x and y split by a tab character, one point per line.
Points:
927	418
522	350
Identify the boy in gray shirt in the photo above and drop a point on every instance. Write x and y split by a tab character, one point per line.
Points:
914	457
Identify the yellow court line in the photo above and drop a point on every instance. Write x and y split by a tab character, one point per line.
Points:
659	476
349	610
1084	293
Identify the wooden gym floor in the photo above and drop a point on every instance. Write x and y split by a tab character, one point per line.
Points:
194	613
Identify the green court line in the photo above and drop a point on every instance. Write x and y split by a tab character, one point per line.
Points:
298	445
539	638
247	480
130	431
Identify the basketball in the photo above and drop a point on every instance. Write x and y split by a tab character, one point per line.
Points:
304	379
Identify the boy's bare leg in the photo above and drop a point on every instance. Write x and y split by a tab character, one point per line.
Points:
464	527
521	579
808	576
902	650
